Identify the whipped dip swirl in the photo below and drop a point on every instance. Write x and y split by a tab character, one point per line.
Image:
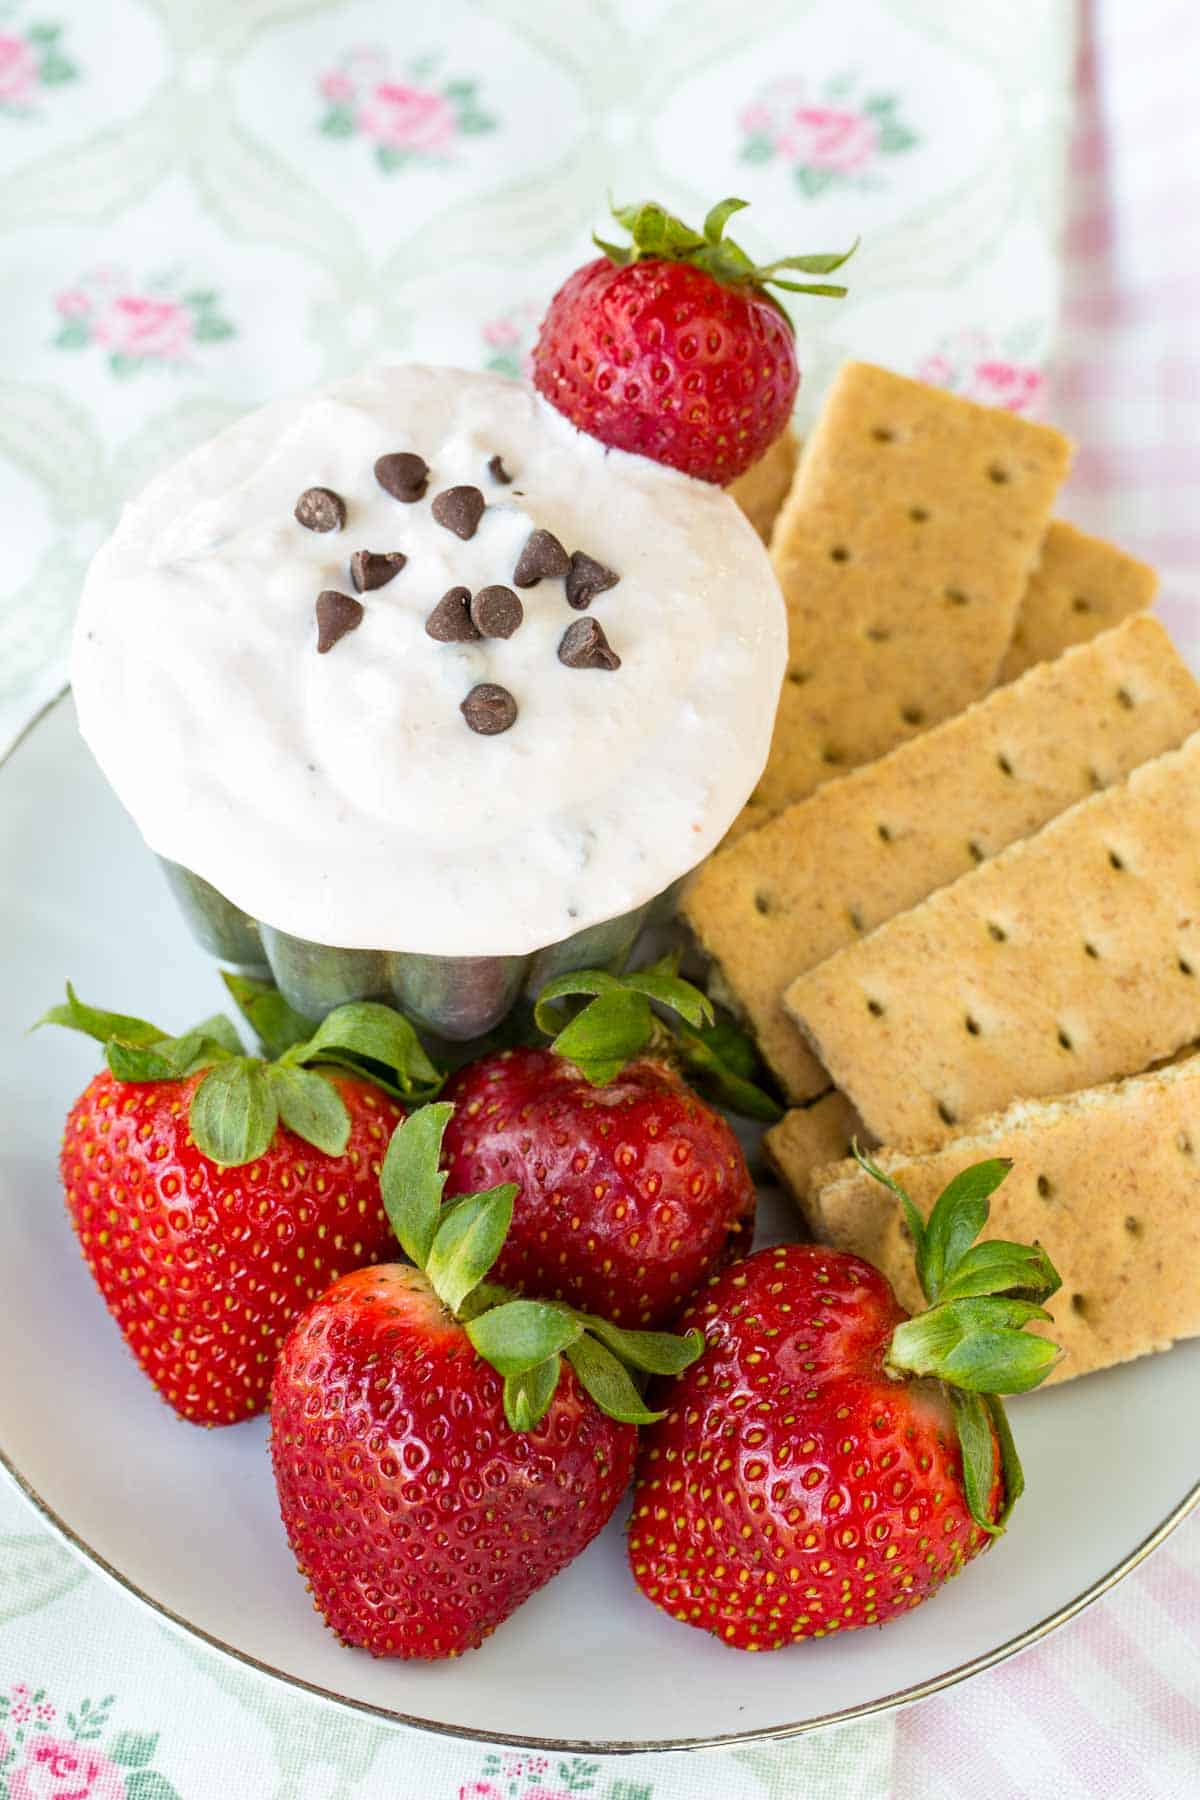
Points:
341	797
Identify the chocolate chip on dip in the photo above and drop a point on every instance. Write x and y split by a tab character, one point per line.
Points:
584	646
402	474
543	558
336	615
460	509
489	709
496	612
586	578
497	470
320	509
450	620
375	568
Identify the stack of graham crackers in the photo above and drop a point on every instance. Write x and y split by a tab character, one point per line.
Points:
961	916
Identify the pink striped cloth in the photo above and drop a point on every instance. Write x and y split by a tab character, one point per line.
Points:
1110	1705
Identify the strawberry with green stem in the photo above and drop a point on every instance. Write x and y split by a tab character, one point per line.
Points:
631	1189
215	1193
442	1448
674	347
829	1462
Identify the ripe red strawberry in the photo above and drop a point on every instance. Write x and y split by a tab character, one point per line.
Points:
631	1189
214	1195
436	1463
829	1462
673	348
630	1194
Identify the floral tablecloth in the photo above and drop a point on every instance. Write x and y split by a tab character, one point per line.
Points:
206	202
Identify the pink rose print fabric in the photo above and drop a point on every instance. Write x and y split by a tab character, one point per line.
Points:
524	1775
833	136
73	1757
138	326
408	118
31	59
507	339
996	374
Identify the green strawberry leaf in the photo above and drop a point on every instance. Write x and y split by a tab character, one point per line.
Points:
527	1396
1010	1462
608	1382
662	983
912	1215
311	1107
1023	1271
973	1422
411	1182
523	1334
657	233
275	1024
618	1023
959	1214
370	1033
978	1344
715	1060
469	1238
654	1352
233	1113
98	1024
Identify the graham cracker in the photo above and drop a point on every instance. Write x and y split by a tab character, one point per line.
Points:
809	1138
1071	959
861	850
1107	1180
761	491
903	548
1081	586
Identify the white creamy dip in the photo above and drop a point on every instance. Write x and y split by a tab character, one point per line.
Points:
342	797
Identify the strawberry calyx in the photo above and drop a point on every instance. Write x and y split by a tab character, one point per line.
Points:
972	1336
456	1242
658	234
236	1107
619	1022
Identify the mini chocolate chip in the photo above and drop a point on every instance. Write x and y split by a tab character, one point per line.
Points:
584	646
375	568
543	556
497	470
496	612
320	509
336	615
489	709
460	509
450	620
402	474
586	578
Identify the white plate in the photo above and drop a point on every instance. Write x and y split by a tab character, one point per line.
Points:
185	1519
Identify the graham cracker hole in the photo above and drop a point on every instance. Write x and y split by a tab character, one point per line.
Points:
998	474
1003	764
997	931
1183	1144
1095	781
1064	1039
1185	967
762	904
798	677
1125	699
883	435
912	715
875	1009
1045	1186
1079	1305
1081	604
832	756
1116	861
945	1114
885	836
839	554
976	851
955	596
878	634
918	515
855	919
1091	950
972	1025
1133	1226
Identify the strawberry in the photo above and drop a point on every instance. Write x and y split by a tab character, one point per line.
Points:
435	1459
673	348
214	1194
631	1189
829	1461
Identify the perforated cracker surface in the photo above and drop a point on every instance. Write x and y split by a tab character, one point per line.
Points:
1080	587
